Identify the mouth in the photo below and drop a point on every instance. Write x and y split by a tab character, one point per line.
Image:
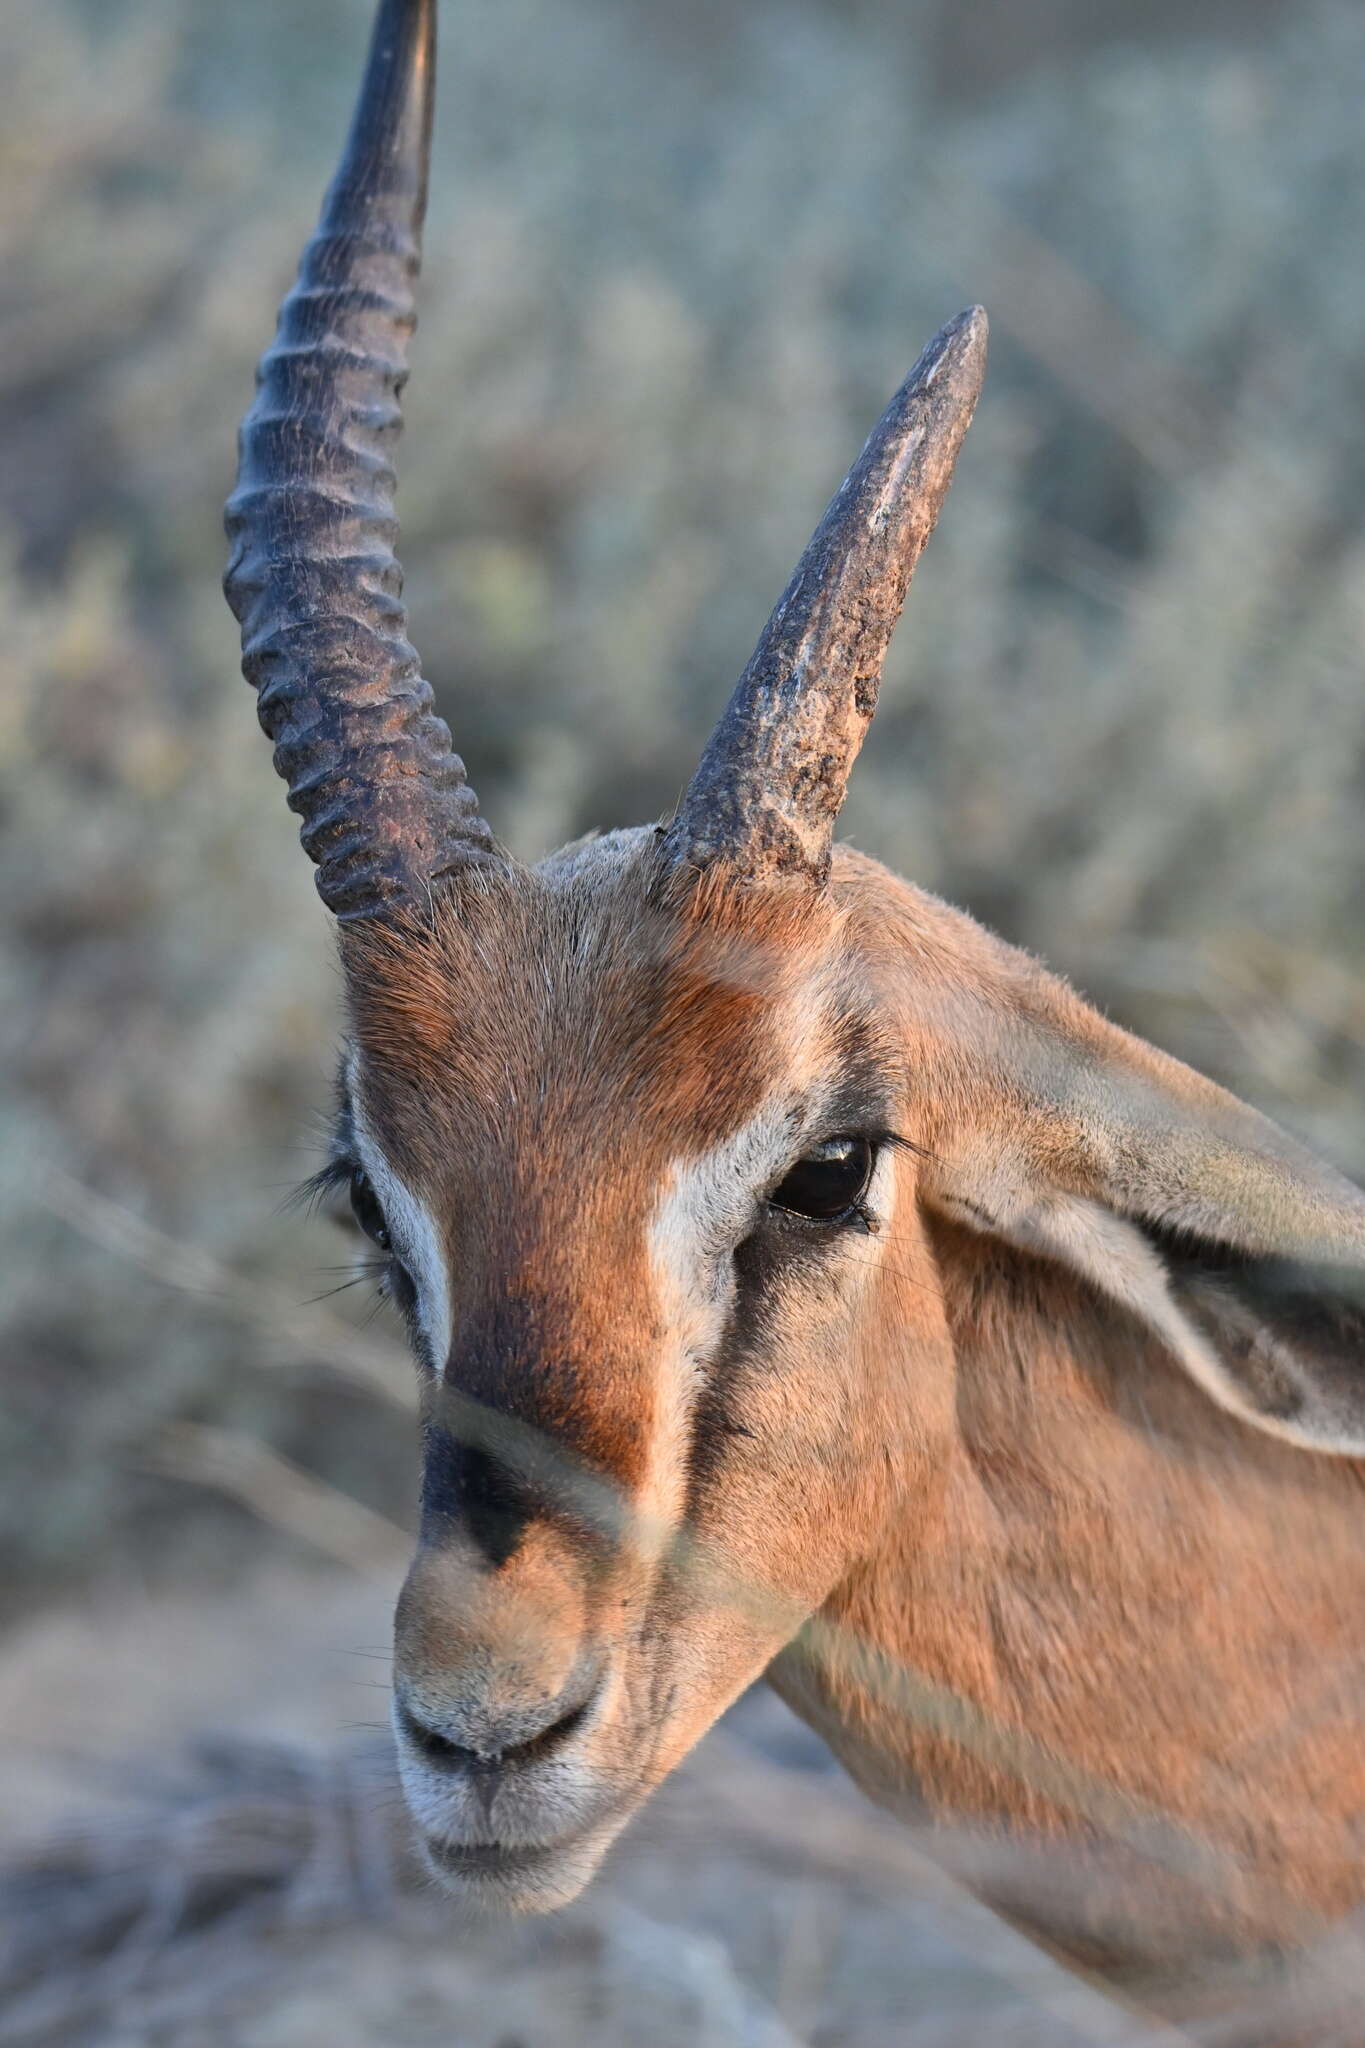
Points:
492	1859
516	1879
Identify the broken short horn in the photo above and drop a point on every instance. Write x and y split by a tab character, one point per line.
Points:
772	779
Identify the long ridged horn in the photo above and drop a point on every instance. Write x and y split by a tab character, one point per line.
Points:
772	779
313	578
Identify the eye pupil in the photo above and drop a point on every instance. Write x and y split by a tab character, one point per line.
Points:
366	1210
829	1182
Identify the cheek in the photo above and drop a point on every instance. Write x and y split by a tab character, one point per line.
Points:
850	1410
797	1491
915	1364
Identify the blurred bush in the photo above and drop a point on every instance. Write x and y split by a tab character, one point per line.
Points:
674	269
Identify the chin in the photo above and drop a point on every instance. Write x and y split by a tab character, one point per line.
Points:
493	1878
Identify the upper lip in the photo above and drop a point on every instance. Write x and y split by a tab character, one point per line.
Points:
501	1762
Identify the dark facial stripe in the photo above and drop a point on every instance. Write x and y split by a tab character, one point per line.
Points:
522	1428
858	1106
467	1487
715	1421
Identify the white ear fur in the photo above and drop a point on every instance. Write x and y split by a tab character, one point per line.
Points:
1113	1253
1207	1307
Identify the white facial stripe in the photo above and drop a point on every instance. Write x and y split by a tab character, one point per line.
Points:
701	1214
703	1210
881	1190
415	1238
703	1207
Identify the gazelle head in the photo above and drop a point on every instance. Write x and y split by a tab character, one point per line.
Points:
654	1135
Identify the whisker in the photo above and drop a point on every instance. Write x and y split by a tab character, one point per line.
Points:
903	1273
342	1287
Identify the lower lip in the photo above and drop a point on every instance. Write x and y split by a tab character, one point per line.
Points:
492	1860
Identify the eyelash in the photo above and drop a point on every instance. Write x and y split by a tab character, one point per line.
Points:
332	1179
385	1269
379	1272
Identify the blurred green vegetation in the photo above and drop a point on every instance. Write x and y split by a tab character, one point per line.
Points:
677	259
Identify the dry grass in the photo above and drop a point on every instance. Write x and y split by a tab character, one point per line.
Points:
669	282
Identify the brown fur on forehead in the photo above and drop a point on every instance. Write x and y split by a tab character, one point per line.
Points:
527	998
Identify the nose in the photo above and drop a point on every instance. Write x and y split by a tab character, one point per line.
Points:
463	1737
493	1667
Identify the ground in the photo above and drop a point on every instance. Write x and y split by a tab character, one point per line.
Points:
249	1886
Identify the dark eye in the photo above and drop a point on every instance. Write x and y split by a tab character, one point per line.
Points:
829	1182
366	1210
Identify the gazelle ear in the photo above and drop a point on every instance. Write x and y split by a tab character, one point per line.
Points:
1243	1252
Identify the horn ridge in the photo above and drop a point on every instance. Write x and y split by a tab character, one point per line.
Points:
772	778
313	577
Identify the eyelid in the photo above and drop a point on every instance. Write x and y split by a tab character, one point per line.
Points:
854	1134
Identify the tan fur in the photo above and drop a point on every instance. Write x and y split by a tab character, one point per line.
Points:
990	1534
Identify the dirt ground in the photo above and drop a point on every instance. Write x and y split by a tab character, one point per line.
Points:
249	1887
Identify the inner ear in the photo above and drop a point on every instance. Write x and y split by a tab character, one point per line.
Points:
1279	1342
1289	1333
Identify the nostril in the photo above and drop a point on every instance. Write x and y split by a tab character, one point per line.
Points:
496	1750
550	1738
435	1747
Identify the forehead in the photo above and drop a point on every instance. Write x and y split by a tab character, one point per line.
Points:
576	1003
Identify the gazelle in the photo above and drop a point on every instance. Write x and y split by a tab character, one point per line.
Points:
801	1280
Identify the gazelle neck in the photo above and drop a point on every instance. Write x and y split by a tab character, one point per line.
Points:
1082	1651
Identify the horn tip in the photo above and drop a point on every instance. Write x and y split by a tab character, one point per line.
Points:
973	328
959	348
971	325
